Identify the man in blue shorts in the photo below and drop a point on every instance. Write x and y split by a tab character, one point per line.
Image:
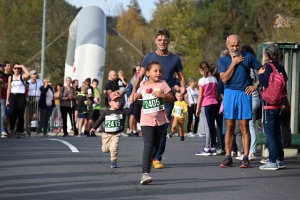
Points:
234	71
171	64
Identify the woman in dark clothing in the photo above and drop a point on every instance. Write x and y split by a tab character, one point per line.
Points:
46	104
272	112
67	98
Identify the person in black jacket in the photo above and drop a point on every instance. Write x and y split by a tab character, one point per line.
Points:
46	104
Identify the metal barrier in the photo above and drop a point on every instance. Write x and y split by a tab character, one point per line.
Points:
32	115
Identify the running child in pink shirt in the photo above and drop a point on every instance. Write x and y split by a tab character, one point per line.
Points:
153	114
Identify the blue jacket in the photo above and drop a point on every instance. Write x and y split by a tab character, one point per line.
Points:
42	100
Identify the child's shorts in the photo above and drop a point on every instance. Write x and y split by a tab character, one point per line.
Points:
81	116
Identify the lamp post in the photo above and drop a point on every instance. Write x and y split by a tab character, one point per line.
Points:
43	40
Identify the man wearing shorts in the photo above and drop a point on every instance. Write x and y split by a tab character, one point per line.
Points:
234	71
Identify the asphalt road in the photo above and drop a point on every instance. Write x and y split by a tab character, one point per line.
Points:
41	168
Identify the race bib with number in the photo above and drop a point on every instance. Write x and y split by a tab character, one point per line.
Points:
152	104
113	123
178	111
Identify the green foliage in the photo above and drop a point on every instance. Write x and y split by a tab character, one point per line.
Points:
198	31
21	33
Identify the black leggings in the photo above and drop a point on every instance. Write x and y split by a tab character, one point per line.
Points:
151	137
17	104
191	112
64	114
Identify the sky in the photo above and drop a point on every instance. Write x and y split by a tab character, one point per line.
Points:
110	7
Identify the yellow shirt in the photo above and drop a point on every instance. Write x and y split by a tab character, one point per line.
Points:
180	109
57	101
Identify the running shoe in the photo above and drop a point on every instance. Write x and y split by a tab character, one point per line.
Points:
269	166
226	163
203	153
114	165
280	164
157	164
145	179
245	163
190	134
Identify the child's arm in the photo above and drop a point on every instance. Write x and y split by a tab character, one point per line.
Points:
185	107
169	97
98	122
200	94
128	111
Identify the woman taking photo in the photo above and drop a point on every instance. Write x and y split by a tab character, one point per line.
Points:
56	109
46	104
16	99
67	98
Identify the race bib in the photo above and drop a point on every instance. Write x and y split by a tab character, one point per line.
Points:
113	123
178	111
152	104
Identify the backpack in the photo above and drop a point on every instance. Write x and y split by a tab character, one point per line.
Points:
275	93
21	79
128	89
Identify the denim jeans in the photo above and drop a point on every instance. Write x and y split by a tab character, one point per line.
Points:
272	129
3	107
255	106
162	145
151	136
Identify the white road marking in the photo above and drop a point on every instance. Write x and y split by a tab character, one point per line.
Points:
73	148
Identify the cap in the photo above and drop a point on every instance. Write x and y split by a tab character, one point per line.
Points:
32	72
2	65
114	95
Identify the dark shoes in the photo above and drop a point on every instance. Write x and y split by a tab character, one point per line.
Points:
226	163
245	163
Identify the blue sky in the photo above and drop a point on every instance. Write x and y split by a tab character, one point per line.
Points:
110	7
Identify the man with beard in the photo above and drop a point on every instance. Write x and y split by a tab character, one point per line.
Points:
234	70
170	64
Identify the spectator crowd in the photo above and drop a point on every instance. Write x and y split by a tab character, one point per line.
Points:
226	100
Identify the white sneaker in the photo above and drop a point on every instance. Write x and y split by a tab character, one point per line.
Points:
239	154
191	134
123	134
252	156
239	157
199	135
4	134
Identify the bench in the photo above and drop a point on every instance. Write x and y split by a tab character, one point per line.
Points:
261	140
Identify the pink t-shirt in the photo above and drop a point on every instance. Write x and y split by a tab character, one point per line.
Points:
209	85
157	118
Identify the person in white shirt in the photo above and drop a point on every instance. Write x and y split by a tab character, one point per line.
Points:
15	99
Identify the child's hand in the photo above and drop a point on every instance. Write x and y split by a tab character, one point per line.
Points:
136	96
198	112
159	94
92	130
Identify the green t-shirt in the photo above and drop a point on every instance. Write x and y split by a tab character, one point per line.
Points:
97	106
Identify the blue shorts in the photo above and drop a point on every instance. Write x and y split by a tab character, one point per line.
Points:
237	105
81	116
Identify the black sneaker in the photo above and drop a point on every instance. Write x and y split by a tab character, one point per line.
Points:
19	135
245	163
131	134
226	163
182	138
11	133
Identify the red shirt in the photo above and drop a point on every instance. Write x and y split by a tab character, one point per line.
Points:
4	77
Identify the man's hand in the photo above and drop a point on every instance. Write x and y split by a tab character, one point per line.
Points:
250	89
237	59
182	90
